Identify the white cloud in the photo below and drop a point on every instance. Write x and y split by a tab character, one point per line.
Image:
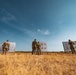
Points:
38	30
29	32
44	32
6	17
47	32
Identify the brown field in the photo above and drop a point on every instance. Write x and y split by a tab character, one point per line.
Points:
20	63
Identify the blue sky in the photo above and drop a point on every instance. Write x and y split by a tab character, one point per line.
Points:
50	21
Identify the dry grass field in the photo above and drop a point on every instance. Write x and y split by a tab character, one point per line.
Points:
45	64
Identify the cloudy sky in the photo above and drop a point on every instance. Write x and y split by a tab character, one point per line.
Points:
50	21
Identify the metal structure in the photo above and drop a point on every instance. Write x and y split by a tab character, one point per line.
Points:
66	46
43	46
12	47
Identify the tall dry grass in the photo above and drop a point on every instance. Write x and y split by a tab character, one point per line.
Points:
46	64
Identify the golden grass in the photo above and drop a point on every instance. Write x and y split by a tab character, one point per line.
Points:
46	64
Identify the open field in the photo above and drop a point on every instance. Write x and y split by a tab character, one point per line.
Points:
21	63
